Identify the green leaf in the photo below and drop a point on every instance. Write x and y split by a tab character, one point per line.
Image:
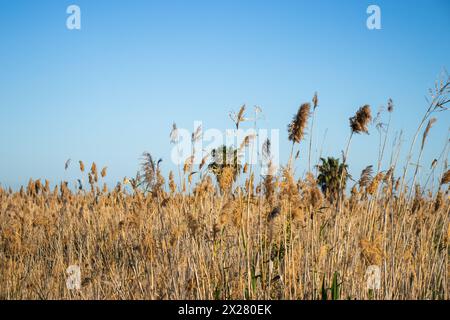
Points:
324	291
335	287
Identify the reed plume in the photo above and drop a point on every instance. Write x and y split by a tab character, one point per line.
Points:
445	178
203	162
103	172
94	172
366	177
226	179
187	167
172	184
174	134
81	166
390	107
373	187
239	117
246	142
427	131
296	129
372	250
360	121
67	164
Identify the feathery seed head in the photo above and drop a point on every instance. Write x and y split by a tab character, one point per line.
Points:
81	166
361	120
296	128
315	101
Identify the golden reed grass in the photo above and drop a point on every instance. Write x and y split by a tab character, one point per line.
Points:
122	242
144	239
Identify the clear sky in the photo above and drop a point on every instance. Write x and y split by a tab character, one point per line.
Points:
111	90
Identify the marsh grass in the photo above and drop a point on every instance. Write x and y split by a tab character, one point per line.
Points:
274	237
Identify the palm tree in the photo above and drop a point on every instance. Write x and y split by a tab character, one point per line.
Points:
329	179
224	157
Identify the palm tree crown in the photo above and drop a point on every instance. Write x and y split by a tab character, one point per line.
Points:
330	173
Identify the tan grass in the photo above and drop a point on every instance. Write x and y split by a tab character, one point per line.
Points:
279	240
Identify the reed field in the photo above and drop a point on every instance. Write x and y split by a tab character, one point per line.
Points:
219	229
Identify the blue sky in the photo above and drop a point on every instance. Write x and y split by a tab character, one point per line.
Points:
111	90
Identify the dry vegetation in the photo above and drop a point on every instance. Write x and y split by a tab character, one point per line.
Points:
220	233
